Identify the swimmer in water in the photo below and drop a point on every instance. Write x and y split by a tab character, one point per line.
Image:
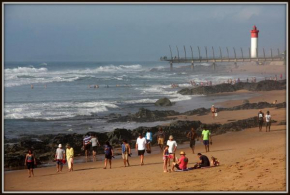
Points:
31	86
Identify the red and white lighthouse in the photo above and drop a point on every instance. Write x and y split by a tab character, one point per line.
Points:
254	42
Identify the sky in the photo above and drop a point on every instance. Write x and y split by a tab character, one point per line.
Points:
128	32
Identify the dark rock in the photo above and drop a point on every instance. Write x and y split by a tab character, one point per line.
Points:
163	102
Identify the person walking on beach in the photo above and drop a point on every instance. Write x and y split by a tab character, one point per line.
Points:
206	136
160	137
95	143
268	121
212	109
30	162
192	136
109	153
126	152
140	147
59	156
69	157
172	148
281	76
165	158
148	141
260	119
181	163
87	145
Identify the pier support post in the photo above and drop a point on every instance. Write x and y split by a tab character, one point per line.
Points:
171	66
236	65
214	66
192	65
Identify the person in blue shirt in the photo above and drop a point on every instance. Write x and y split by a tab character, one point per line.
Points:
109	153
148	141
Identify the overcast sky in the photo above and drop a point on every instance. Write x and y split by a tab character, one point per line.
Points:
136	32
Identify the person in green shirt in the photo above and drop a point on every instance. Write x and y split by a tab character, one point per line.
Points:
206	136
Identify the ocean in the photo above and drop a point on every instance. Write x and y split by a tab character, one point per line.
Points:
63	98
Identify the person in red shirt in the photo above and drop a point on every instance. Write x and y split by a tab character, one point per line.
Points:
181	163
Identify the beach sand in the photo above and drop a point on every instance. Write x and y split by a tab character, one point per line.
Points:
250	161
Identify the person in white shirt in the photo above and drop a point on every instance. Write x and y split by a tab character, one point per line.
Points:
172	148
140	147
268	121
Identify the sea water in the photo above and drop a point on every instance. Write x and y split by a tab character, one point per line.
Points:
59	97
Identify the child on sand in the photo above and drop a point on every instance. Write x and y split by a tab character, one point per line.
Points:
165	158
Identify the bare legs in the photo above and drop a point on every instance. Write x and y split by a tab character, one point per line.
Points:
94	156
165	164
110	162
142	159
30	172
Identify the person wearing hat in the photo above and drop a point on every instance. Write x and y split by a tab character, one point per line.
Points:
181	164
59	156
140	147
69	157
172	148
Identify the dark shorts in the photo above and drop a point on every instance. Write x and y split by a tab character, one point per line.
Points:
95	148
87	147
59	162
30	165
148	141
261	123
205	142
141	152
108	156
192	143
204	165
177	166
268	124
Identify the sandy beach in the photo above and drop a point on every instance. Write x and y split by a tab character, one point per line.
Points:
250	161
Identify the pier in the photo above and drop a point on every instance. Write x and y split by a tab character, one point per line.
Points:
213	59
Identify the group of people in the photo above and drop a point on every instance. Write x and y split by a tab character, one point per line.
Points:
264	118
143	144
207	83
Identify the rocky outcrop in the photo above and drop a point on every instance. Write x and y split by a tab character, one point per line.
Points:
267	85
163	102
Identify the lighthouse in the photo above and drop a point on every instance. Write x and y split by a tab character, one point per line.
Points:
254	42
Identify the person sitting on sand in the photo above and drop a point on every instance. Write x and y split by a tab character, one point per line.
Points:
260	119
203	161
181	163
69	157
165	158
109	153
30	162
214	161
59	156
268	121
172	148
126	152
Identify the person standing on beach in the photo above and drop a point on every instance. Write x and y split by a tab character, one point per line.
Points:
69	157
260	119
192	136
206	135
30	162
160	137
281	76
148	141
126	151
95	143
109	153
87	145
59	156
141	146
268	121
172	148
212	109
165	158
